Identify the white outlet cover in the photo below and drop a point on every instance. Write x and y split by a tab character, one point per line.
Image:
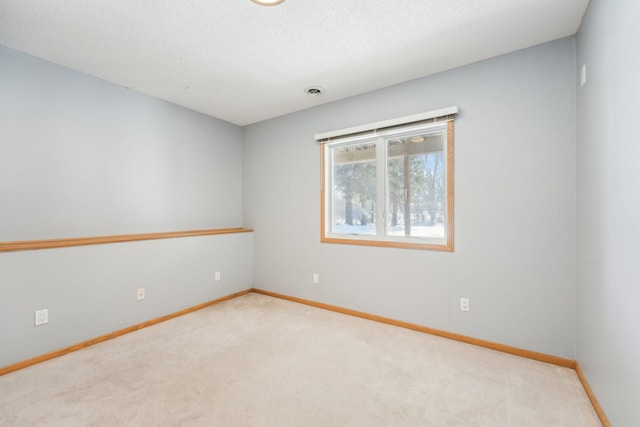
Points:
464	304
140	294
316	278
42	317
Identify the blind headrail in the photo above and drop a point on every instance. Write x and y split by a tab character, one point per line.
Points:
435	115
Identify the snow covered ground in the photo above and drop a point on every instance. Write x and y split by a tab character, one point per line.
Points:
436	231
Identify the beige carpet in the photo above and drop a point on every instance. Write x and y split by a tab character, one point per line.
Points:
261	361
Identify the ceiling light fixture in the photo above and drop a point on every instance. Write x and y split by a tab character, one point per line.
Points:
267	2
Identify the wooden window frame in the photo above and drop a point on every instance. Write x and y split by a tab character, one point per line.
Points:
404	243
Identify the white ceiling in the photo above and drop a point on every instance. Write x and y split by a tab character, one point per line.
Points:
244	63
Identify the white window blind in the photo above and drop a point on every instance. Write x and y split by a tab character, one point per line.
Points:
385	125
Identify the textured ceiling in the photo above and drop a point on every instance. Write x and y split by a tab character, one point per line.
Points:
244	63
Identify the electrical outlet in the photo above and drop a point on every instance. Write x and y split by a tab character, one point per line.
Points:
140	294
42	317
316	278
218	277
464	304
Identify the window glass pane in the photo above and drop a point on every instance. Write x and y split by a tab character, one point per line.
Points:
416	185
353	204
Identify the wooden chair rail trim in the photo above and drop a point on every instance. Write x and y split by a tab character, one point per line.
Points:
592	397
30	245
61	352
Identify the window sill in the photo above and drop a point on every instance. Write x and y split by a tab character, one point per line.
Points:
389	244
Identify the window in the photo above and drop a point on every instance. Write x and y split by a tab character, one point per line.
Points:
391	186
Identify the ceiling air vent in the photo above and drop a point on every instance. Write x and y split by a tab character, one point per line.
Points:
314	91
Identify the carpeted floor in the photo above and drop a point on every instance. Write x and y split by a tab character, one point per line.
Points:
261	361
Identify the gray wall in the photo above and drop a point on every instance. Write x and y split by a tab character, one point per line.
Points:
514	205
608	207
82	157
91	290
